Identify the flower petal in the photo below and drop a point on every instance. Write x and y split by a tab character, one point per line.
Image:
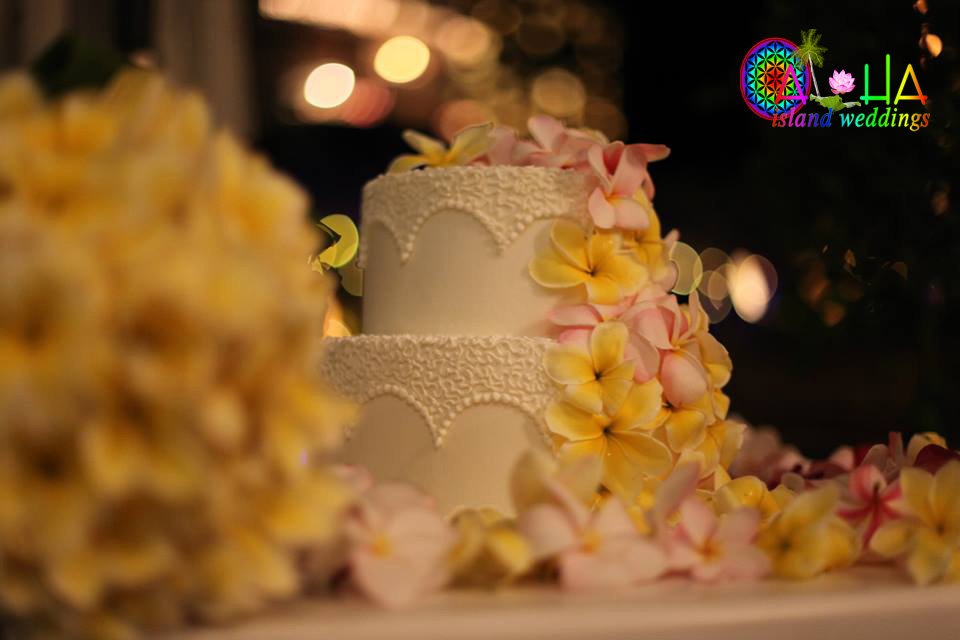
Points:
406	162
547	131
432	148
945	496
572	423
570	241
603	289
631	456
640	409
576	315
568	363
893	538
917	486
698	521
602	212
547	529
589	396
607	343
549	269
684	380
685	429
471	142
630	214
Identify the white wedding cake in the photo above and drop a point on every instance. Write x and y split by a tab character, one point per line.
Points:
516	296
449	369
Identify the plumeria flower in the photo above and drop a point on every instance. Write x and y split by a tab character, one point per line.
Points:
621	439
928	537
489	550
867	501
594	371
712	548
806	538
622	172
651	250
692	362
592	549
467	145
538	476
841	82
920	441
559	146
399	545
593	259
764	455
751	491
506	148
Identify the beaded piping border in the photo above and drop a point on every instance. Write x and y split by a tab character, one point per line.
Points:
441	376
505	200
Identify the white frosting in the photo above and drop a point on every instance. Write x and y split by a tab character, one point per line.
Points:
446	250
441	376
449	414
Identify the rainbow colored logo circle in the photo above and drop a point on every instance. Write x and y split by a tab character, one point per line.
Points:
762	73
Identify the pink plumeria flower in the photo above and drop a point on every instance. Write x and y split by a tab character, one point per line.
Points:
622	171
841	82
559	146
660	325
399	545
506	148
867	501
593	549
711	549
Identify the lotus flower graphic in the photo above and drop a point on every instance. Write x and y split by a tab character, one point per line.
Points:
841	82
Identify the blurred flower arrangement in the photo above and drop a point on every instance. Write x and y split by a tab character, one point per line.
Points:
157	398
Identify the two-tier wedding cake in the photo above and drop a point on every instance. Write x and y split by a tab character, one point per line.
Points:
493	281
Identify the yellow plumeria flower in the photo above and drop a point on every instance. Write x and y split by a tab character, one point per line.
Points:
489	550
929	535
622	439
649	248
748	491
467	146
595	260
594	374
806	538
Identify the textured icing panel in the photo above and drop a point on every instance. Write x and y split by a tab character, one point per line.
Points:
504	200
447	249
441	376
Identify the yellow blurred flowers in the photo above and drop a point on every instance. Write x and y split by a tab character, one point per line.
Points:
806	537
929	536
157	330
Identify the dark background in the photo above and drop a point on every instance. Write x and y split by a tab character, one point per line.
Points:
850	348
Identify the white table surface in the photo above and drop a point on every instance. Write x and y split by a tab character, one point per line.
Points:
866	603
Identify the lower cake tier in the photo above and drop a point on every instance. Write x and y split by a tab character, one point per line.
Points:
449	414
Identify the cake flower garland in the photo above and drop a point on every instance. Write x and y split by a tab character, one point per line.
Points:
649	478
569	529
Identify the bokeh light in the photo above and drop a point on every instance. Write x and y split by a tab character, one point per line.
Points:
559	93
401	59
457	115
465	42
329	85
369	104
752	282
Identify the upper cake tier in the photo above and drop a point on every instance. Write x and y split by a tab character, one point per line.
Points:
445	251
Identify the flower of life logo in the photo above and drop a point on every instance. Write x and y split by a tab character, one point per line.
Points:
764	71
